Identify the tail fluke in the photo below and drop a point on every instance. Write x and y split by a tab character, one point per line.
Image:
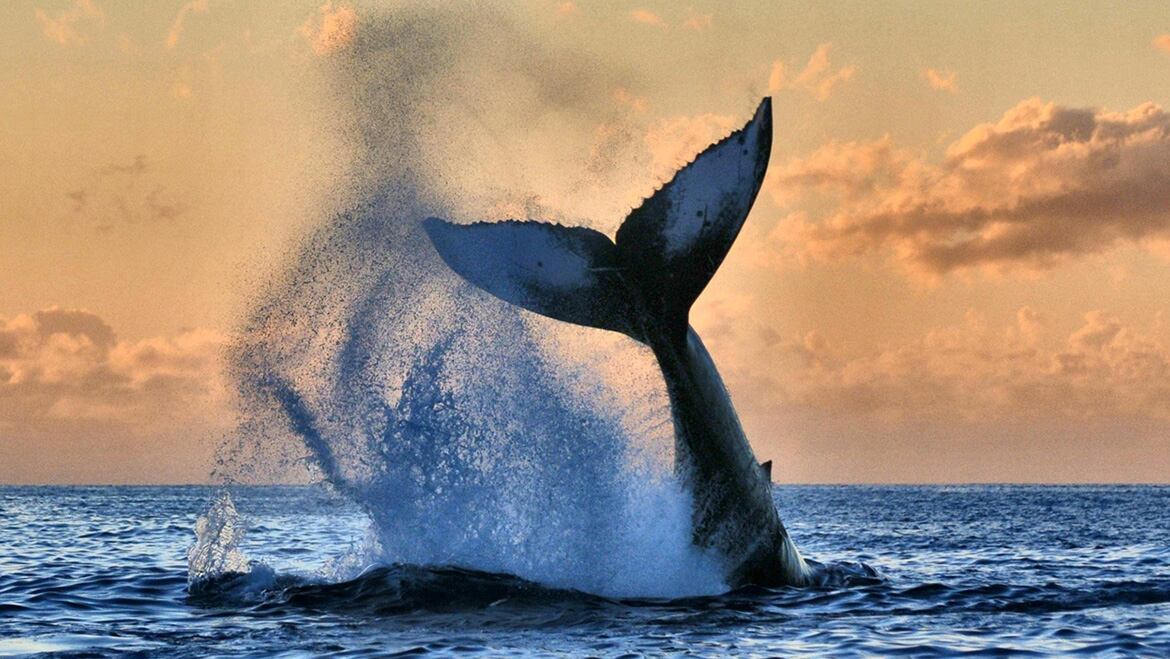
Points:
566	273
676	240
666	251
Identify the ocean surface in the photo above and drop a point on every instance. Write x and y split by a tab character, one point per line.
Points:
1049	570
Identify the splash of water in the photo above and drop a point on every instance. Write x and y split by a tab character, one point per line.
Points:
471	435
446	416
216	551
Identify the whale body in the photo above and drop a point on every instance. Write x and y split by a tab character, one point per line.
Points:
643	284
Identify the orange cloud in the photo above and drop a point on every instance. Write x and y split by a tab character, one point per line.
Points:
176	29
332	30
626	98
674	141
943	82
647	17
777	77
1044	183
63	366
817	78
1162	42
181	89
567	7
852	168
1104	369
698	22
967	372
64	27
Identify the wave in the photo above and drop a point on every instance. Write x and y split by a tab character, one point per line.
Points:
849	589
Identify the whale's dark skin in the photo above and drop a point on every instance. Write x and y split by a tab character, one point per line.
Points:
732	512
643	285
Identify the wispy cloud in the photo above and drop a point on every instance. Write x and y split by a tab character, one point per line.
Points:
674	141
626	98
698	22
694	21
66	27
122	194
1044	183
136	166
567	8
331	29
181	89
1162	43
940	81
854	169
127	46
817	78
179	24
647	17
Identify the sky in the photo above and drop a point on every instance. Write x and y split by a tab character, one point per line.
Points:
954	272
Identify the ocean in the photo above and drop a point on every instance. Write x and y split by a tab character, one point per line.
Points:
918	571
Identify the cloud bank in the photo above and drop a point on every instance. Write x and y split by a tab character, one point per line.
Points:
1018	374
1043	184
66	378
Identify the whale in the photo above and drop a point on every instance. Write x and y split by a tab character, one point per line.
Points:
642	284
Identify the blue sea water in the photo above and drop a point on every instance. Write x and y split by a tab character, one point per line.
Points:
1051	570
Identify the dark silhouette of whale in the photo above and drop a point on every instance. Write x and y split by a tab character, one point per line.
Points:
643	285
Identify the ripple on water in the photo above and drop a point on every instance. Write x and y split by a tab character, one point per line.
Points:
103	571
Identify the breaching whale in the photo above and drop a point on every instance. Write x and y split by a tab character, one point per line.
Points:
643	284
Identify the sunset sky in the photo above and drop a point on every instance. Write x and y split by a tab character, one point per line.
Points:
957	269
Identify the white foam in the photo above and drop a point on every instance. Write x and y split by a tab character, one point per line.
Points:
216	551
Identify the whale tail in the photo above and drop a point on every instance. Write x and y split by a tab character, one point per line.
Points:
644	283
